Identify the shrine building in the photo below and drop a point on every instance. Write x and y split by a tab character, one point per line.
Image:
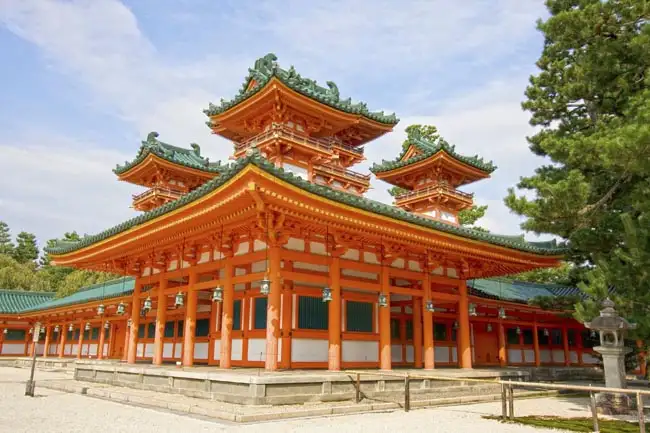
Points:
277	259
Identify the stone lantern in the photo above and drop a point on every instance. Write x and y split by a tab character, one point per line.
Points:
612	329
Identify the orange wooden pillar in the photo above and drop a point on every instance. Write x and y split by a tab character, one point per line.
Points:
127	338
62	340
427	323
48	336
417	332
161	319
225	353
464	348
385	361
503	357
80	342
273	309
135	323
536	345
287	312
334	317
102	341
190	320
565	345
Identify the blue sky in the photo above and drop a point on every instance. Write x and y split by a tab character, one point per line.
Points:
83	82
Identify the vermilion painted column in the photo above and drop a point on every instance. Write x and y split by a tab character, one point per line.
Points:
538	360
565	345
80	342
132	347
464	348
273	310
287	311
417	332
48	336
127	338
64	334
502	345
102	340
225	354
427	320
161	318
334	317
190	320
385	361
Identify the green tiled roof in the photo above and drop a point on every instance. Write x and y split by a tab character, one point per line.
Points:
14	301
187	157
109	289
518	291
428	149
266	68
255	159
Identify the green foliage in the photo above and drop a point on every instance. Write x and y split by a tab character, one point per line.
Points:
26	249
469	216
591	104
396	190
425	132
574	424
6	246
555	303
20	276
77	279
560	275
68	236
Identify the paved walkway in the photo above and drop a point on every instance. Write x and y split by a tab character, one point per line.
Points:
55	411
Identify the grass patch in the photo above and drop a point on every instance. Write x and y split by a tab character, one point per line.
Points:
574	424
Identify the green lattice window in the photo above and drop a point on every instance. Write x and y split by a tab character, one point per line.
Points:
94	334
358	316
181	327
513	337
394	328
312	313
86	334
236	315
151	330
409	329
260	313
107	333
77	332
169	330
440	332
68	335
202	328
141	330
15	335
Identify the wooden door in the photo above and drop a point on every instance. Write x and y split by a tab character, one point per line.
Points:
119	334
486	346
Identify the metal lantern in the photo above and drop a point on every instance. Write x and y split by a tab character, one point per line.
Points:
143	312
147	304
217	294
456	325
107	325
87	327
121	308
100	309
179	301
472	310
265	286
56	328
502	313
5	331
31	331
70	328
327	294
42	330
429	306
518	330
129	323
383	300
546	332
488	328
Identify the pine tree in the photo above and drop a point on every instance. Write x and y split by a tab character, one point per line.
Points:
26	249
6	246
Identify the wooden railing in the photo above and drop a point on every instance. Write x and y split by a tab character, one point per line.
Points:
157	191
433	189
344	173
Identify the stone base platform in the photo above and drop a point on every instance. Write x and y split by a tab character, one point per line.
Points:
249	386
41	363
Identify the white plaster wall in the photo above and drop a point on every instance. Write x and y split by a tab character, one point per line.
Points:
514	355
259	245
140	351
168	350
317	248
370	258
396	353
414	266
149	350
410	354
295	244
454	354
310	266
529	356
68	349
441	354
242	249
13	348
398	263
105	353
588	358
84	350
92	349
201	350
358	274
573	357
172	265
395	309
309	350
236	354
351	254
53	349
217	349
257	346
258	266
558	356
146	272
203	308
545	356
360	351
178	350
40	348
451	273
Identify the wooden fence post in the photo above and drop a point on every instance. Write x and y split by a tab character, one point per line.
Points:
358	390
504	403
511	402
639	406
594	414
407	394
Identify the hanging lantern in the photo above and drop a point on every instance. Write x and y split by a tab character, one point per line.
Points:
87	327
179	300
5	331
502	313
429	306
488	328
518	330
121	308
147	304
143	312
327	294
129	323
472	310
42	330
383	300
265	286
217	294
107	325
70	328
100	310
456	325
31	331
546	332
56	328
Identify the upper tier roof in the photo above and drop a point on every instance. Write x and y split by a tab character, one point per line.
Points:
428	149
266	68
517	243
177	155
15	301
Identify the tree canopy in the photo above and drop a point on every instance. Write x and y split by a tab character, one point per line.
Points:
590	101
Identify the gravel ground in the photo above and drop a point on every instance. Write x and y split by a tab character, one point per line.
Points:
53	411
